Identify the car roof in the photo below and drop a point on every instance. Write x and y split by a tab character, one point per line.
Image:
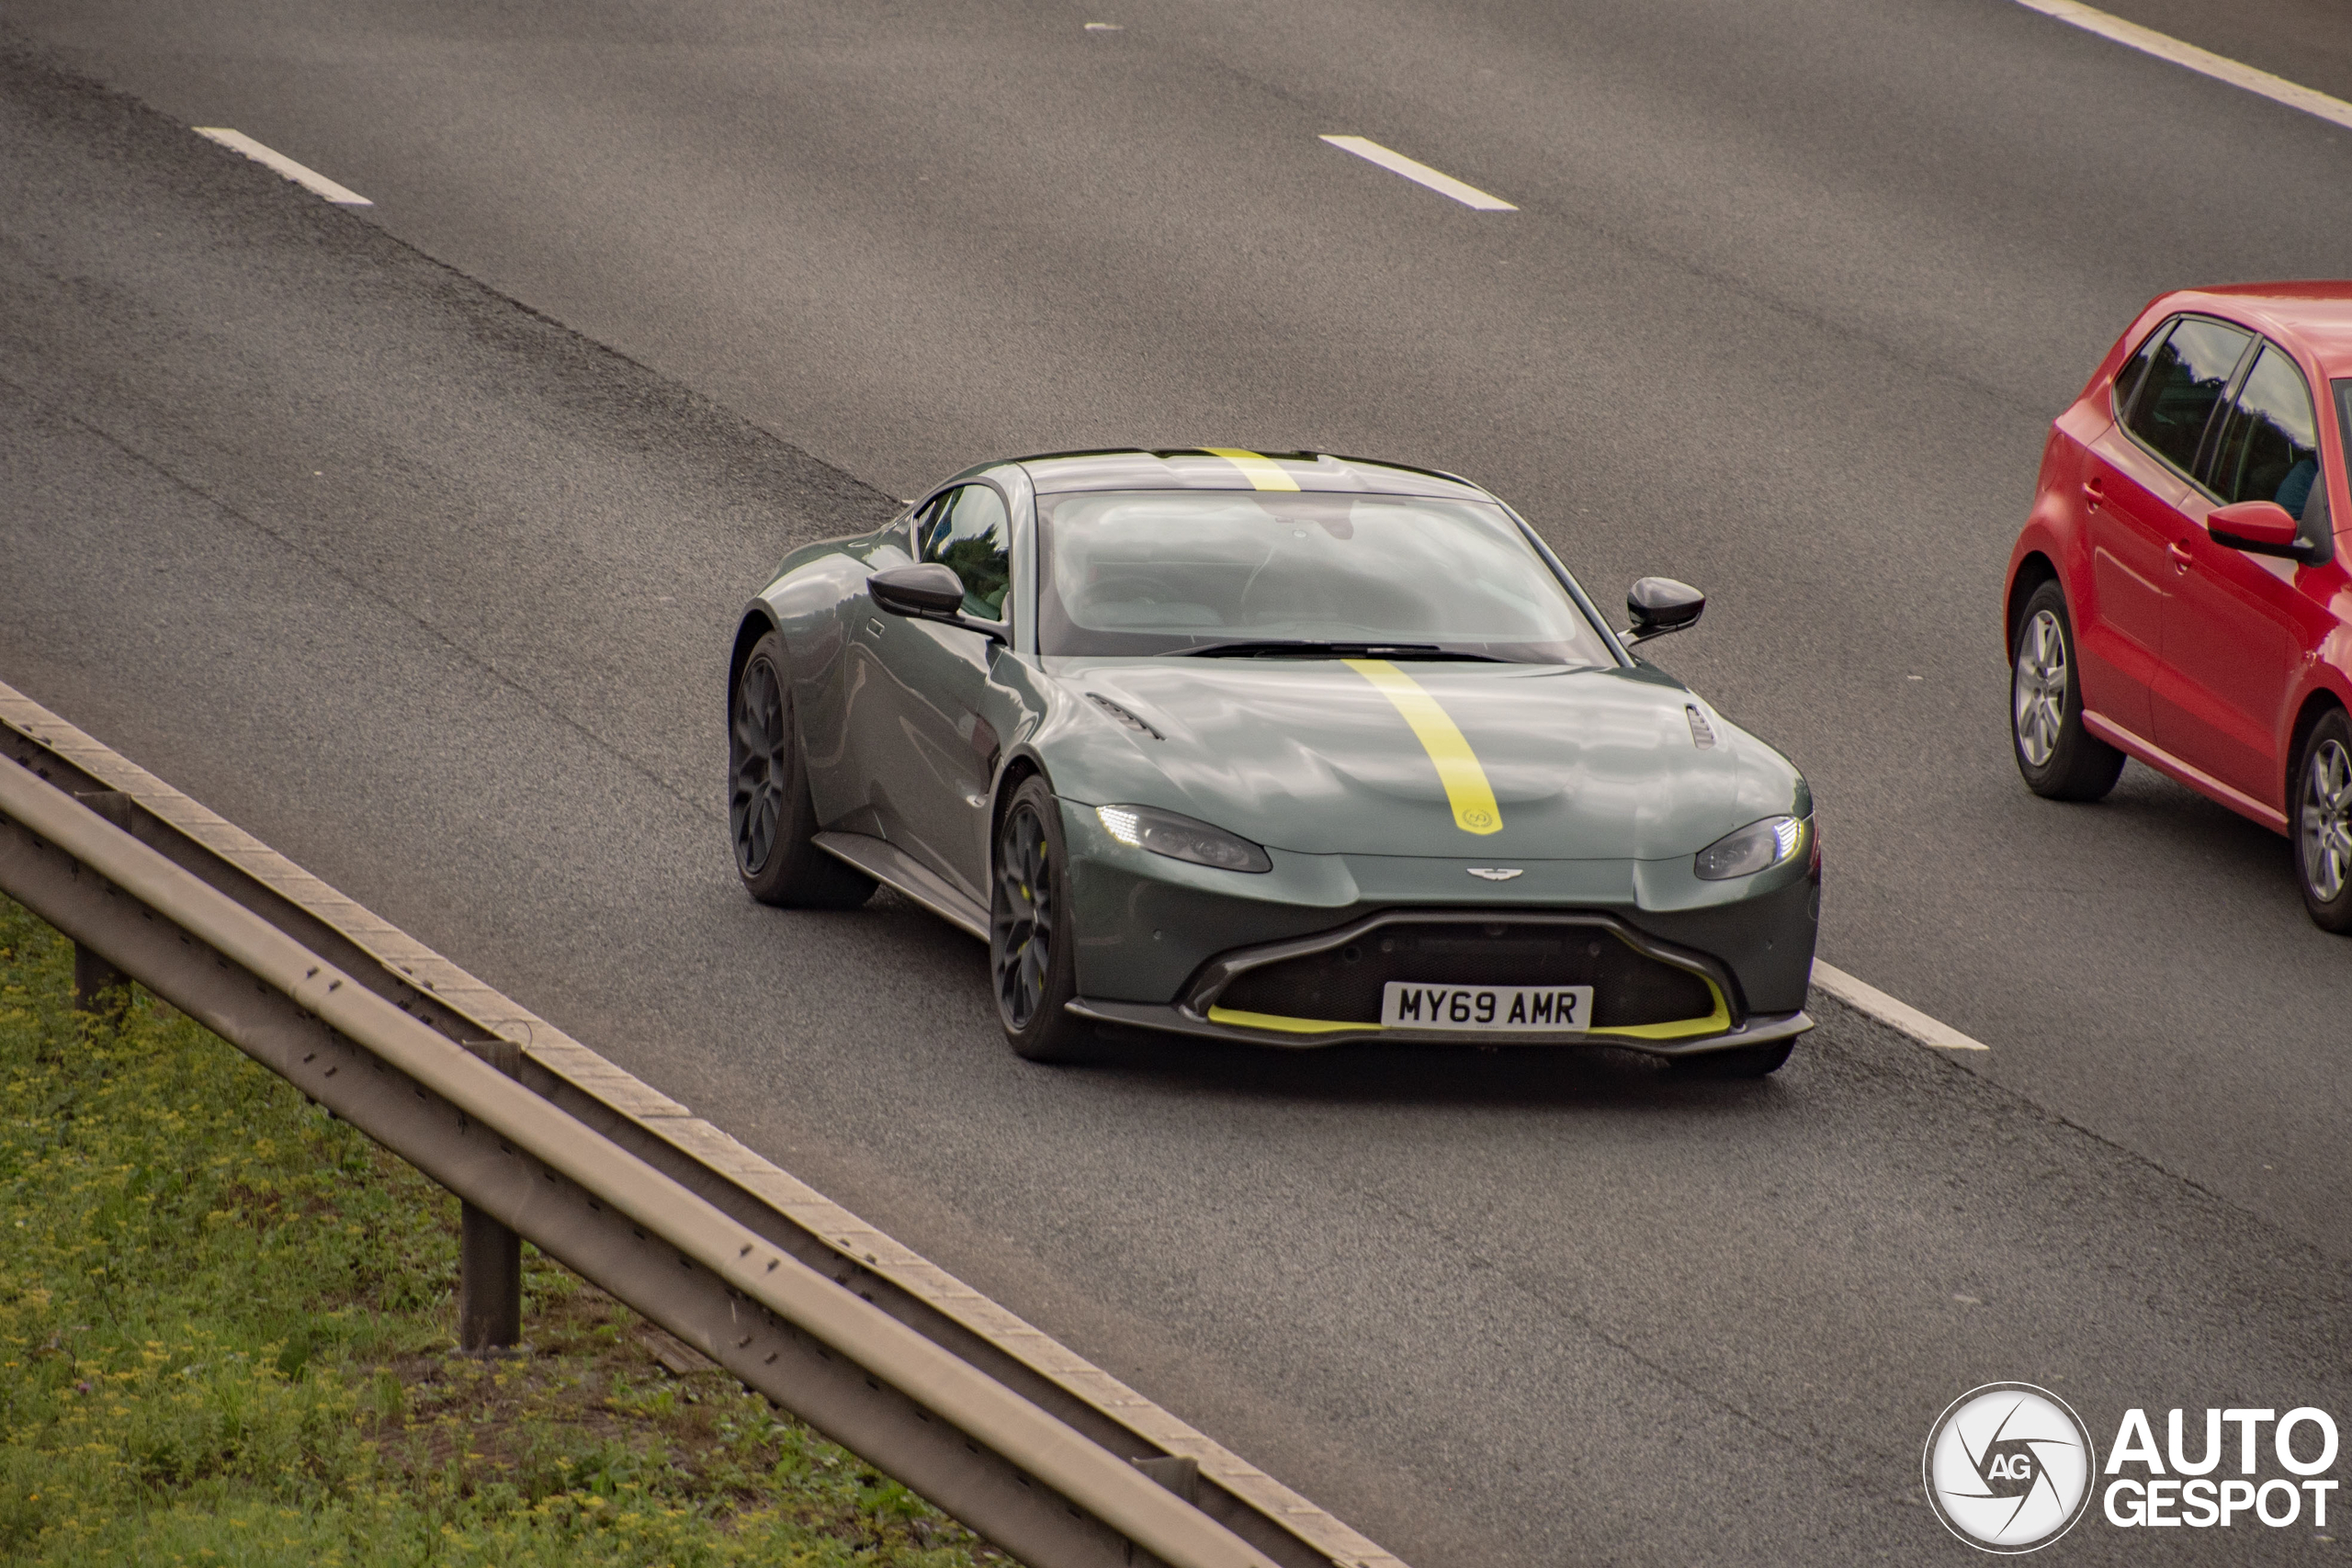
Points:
1230	467
2313	316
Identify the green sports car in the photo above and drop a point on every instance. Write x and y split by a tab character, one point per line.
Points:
1287	749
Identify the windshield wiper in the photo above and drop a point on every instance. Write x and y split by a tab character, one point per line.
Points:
1297	647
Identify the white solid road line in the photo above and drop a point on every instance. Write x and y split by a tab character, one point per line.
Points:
1869	999
2204	61
310	180
1421	174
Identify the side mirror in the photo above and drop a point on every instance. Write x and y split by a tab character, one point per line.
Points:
1659	605
2257	527
928	593
930	588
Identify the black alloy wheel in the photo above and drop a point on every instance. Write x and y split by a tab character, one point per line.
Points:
2321	832
759	764
769	815
2059	758
1031	965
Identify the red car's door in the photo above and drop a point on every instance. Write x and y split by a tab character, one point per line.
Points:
2130	513
2136	483
2237	625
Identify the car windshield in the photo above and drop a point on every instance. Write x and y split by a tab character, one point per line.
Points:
1259	574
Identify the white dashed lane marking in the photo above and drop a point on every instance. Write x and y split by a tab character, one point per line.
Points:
1419	174
2204	61
1865	998
309	179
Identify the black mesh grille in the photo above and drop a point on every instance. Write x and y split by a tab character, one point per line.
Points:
1343	984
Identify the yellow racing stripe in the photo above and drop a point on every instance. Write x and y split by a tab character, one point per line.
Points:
1466	789
1263	471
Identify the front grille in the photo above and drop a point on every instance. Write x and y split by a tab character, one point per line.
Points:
1343	984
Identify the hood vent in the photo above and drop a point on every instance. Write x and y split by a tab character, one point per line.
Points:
1124	716
1702	736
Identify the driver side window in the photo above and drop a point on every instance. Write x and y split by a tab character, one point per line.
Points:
966	530
2269	447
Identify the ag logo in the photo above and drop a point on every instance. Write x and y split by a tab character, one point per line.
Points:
2008	1467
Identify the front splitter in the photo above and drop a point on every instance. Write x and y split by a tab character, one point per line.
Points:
1756	1031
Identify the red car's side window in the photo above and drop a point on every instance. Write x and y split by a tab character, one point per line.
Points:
2128	380
2184	382
2269	446
2344	412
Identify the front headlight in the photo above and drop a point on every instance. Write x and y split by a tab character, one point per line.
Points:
1760	846
1180	838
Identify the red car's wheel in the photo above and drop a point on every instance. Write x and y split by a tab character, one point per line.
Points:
2058	759
2324	823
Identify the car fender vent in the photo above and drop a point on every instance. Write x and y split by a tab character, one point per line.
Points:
1702	735
1124	716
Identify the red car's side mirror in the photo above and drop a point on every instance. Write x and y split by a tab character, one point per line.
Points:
2257	527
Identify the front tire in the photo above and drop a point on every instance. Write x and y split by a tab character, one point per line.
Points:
2060	758
2322	827
770	815
1033	958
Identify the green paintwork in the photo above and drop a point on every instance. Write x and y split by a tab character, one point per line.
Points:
1604	794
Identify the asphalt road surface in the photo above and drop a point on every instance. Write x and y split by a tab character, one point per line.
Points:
433	593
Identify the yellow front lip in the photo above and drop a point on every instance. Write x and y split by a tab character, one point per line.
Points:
1241	1020
1714	1022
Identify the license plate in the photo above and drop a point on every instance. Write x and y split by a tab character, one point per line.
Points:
1504	1010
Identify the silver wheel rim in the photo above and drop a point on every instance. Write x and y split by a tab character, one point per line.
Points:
2324	821
2038	689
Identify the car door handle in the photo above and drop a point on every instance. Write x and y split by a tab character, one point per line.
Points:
2094	492
2180	555
873	628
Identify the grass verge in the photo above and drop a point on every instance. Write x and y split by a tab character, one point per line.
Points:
226	1336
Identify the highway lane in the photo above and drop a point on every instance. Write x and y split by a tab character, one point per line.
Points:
417	586
1355	1262
1791	293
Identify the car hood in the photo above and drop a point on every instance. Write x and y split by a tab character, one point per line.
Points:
1317	757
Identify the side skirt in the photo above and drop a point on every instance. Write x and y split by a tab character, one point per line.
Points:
903	875
2165	762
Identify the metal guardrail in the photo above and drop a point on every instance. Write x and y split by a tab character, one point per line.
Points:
1047	1456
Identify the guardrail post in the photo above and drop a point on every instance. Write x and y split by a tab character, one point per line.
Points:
490	1255
95	978
1180	1473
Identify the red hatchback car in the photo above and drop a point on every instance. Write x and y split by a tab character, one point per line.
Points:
2179	593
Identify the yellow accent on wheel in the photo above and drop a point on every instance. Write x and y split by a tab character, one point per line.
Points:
1276	1022
1466	789
1263	471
